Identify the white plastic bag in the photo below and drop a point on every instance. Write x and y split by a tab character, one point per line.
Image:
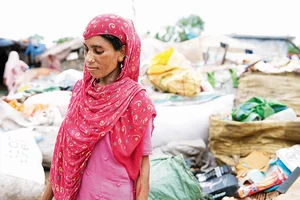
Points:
68	78
61	99
187	122
22	176
285	115
11	119
290	156
47	135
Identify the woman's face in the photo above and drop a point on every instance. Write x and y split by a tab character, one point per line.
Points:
102	59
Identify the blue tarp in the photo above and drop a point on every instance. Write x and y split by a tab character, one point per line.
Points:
35	50
5	42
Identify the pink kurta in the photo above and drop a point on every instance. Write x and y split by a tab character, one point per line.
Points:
104	177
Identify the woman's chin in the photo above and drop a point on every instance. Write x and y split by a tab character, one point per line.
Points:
96	76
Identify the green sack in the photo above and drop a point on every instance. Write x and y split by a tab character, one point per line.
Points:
257	109
171	179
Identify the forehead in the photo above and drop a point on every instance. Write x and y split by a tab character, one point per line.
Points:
98	41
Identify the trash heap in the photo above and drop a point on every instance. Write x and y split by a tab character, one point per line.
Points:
227	124
251	150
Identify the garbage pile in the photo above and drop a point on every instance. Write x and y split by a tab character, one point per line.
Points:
227	124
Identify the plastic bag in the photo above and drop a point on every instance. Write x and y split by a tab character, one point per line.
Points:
256	109
170	178
187	122
170	72
51	98
22	176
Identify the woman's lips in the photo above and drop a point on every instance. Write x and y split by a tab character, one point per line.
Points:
92	68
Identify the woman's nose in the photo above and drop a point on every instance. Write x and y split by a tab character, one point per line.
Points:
89	58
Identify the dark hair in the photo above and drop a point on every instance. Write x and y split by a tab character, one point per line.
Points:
115	41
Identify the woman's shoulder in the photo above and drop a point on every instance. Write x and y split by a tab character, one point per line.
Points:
78	84
141	95
143	101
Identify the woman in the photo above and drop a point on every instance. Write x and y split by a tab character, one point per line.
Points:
54	63
14	67
102	148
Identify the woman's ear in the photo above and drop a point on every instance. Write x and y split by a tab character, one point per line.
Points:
123	53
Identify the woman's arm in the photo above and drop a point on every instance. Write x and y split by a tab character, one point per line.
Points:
48	193
143	186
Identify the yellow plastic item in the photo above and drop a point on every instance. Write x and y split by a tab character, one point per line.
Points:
22	89
170	72
163	57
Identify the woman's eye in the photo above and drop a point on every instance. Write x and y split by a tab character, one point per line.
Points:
85	50
98	52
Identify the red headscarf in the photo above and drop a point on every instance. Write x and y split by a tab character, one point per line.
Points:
121	109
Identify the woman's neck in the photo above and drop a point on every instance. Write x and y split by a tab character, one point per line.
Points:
110	78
